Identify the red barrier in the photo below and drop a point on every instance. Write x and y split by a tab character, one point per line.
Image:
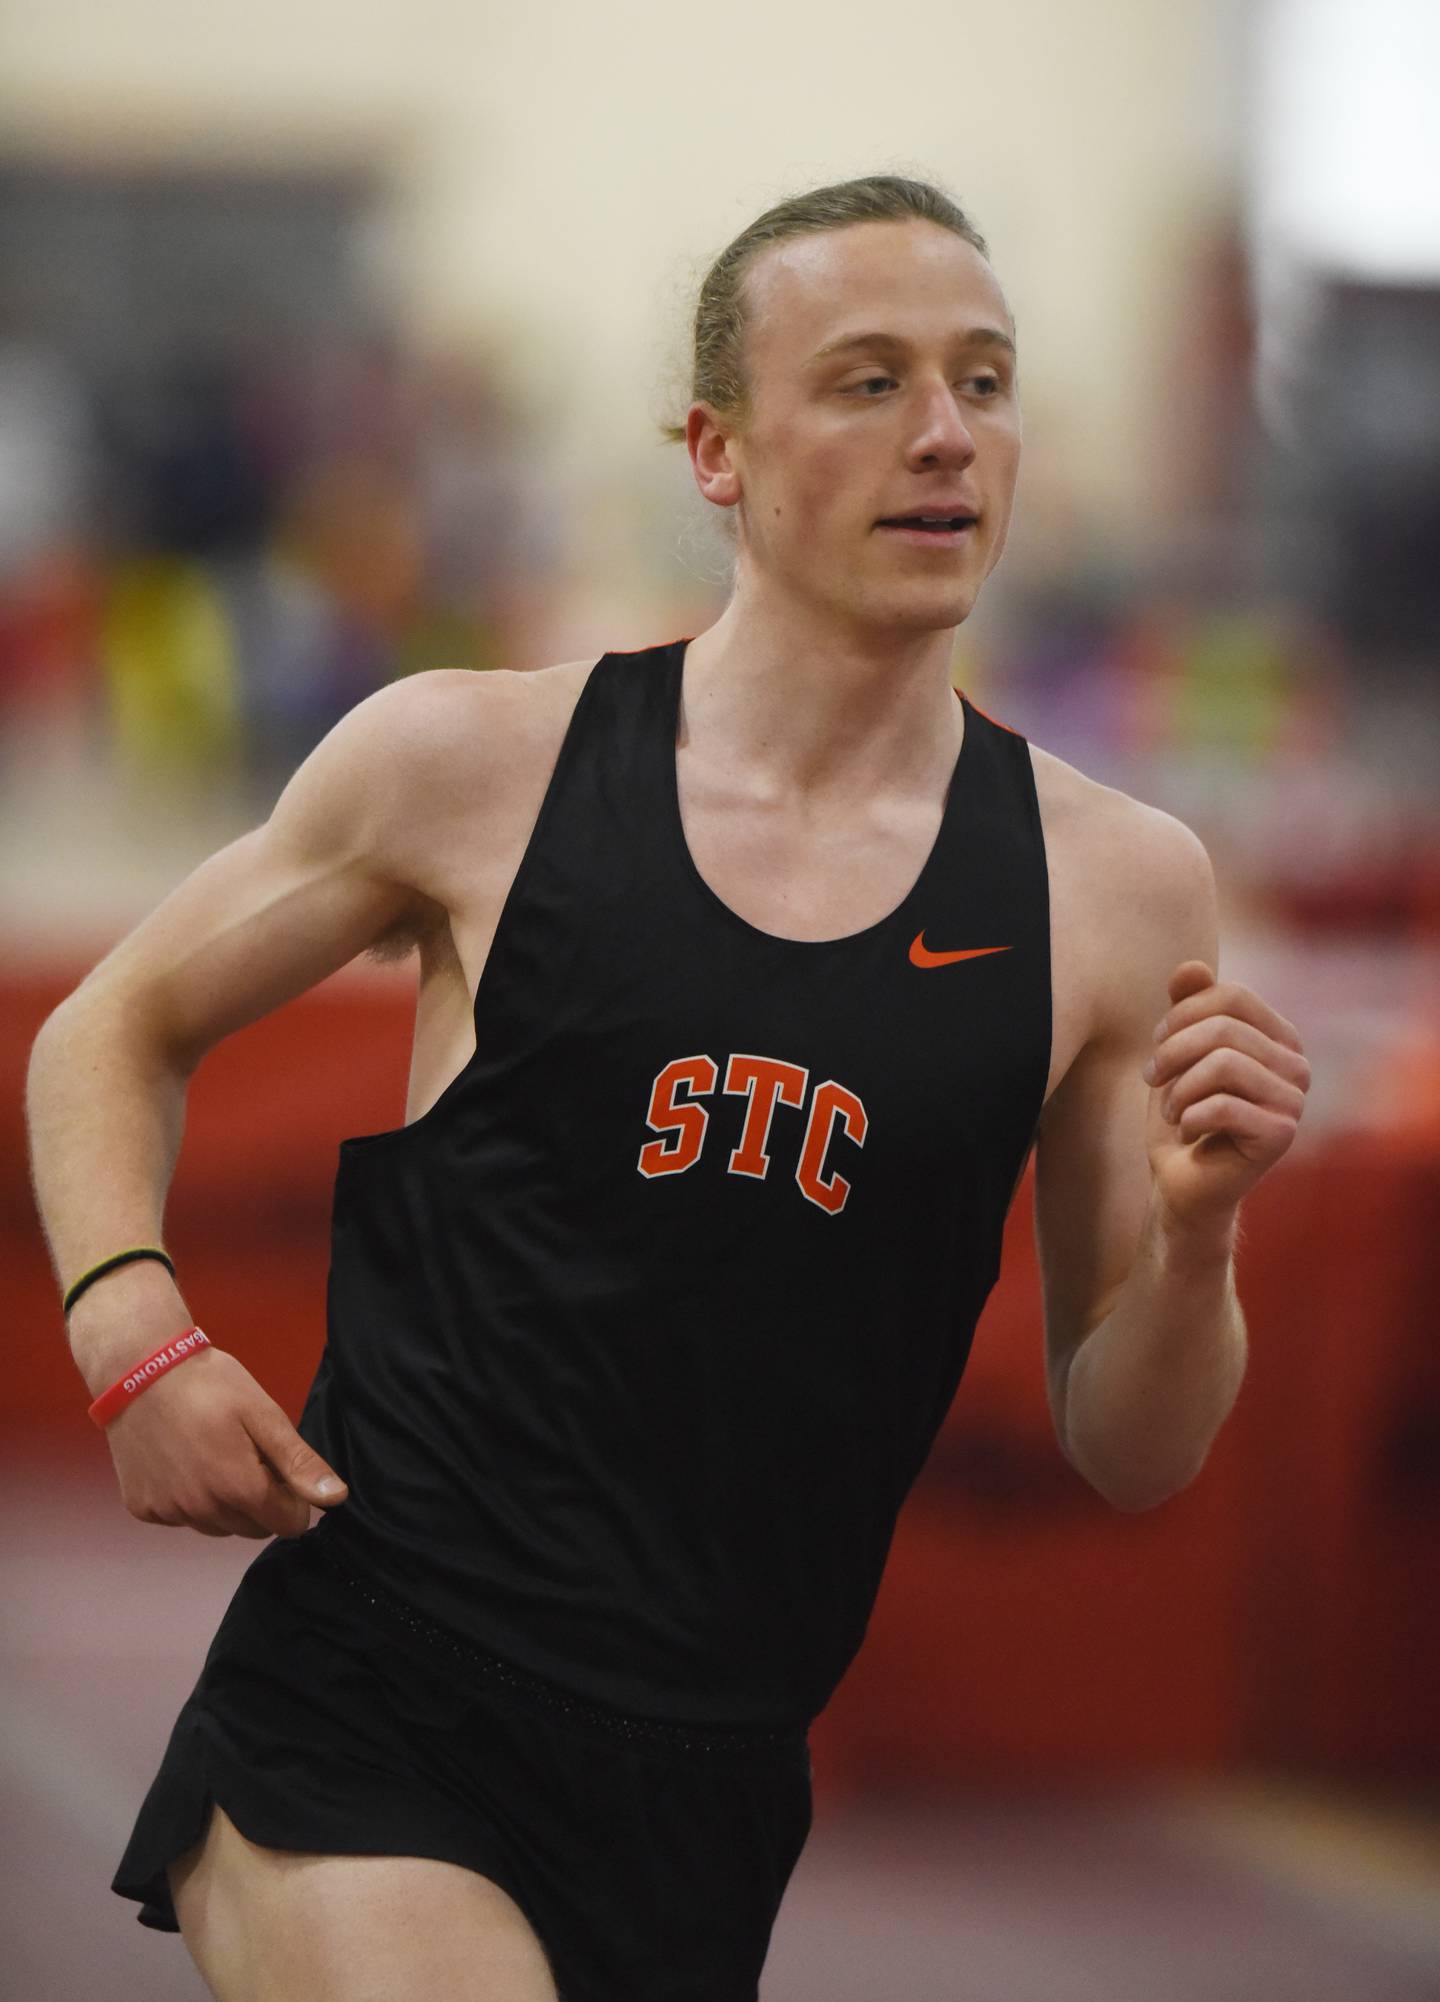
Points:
1282	1609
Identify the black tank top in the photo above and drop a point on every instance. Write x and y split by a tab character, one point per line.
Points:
639	1336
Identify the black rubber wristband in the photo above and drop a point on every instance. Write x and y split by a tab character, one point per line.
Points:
109	1265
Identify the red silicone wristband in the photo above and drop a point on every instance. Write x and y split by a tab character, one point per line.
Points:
112	1401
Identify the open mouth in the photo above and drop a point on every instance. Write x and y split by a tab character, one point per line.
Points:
946	531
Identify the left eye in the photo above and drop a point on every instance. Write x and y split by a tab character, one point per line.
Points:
987	385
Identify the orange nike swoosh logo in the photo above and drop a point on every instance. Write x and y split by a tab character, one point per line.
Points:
921	955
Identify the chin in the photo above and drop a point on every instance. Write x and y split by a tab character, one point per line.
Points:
920	605
929	611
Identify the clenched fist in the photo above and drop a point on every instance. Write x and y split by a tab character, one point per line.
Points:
1228	1081
206	1448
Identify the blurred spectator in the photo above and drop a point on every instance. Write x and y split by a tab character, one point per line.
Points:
270	538
48	604
493	519
46	455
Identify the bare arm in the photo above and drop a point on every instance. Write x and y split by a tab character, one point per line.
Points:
340	865
1145	1341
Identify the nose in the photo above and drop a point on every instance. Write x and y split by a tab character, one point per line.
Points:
942	437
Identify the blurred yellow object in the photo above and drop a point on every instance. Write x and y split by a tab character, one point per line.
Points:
1236	685
170	667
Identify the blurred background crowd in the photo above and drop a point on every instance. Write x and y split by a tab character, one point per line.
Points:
334	346
216	538
259	455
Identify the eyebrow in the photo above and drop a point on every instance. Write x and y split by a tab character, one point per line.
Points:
973	337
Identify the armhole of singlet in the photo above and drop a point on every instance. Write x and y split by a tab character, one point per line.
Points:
433	1114
1045	930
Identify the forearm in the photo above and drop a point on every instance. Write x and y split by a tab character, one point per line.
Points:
1149	1388
105	1112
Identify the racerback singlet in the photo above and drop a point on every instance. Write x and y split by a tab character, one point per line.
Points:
638	1337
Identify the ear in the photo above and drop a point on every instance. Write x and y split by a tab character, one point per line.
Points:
709	445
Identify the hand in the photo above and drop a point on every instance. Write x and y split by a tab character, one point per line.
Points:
206	1448
1228	1081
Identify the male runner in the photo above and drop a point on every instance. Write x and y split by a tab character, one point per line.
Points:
751	968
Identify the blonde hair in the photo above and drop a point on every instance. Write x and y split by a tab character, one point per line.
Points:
717	371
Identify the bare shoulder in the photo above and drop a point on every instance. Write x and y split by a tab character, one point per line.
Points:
453	761
1096	826
1132	894
450	740
446	725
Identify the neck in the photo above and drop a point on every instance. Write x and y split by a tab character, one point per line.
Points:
811	710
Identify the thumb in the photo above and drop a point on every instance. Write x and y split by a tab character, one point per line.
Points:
299	1466
1189	977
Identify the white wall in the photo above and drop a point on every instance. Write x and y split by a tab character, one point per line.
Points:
563	171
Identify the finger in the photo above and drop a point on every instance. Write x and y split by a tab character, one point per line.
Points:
1186	1047
1232	1071
293	1519
238	1518
1256	1132
226	1524
278	1511
243	1526
1189	977
1227	997
294	1463
210	1515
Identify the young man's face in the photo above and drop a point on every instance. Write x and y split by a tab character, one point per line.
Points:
920	416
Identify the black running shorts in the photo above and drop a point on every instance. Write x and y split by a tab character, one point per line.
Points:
650	1858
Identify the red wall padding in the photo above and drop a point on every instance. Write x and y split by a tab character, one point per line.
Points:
1282	1609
